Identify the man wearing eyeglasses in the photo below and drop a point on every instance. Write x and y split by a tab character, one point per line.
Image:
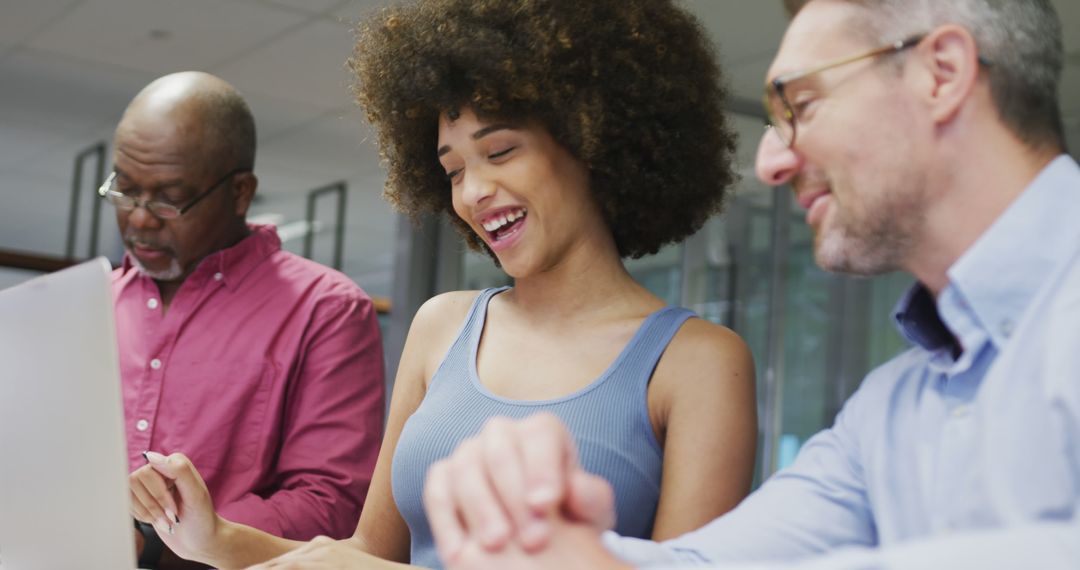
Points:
264	368
921	136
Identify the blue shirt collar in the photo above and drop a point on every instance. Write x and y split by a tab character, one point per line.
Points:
993	282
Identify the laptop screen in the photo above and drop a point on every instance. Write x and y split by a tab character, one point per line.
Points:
63	474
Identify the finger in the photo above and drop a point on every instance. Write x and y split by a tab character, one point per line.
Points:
442	513
591	500
472	492
506	471
161	489
179	469
548	456
138	511
154	509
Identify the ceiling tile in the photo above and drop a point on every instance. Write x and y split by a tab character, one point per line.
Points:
352	11
305	65
193	34
24	18
309	6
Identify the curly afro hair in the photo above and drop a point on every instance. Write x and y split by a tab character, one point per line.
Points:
630	87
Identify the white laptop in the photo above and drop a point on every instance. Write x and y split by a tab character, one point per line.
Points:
63	468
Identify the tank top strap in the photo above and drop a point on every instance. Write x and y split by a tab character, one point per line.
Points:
457	356
474	322
644	350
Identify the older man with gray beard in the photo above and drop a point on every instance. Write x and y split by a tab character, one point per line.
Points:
264	368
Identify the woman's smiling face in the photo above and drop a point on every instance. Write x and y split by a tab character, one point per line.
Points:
523	193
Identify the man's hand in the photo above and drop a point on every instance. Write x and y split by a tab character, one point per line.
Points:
170	494
509	483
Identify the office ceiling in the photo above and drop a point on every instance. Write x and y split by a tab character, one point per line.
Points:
69	67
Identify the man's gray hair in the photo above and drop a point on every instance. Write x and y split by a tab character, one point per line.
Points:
1021	39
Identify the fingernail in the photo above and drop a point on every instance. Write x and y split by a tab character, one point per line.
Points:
154	457
145	457
162	524
172	516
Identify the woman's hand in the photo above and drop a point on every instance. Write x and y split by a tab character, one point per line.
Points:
170	494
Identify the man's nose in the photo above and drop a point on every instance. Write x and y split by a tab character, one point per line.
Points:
140	217
776	164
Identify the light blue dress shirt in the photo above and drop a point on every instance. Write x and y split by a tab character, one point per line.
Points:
964	451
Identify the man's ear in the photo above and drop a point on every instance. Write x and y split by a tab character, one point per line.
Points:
950	59
243	188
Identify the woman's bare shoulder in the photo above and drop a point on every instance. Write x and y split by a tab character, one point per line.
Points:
709	341
445	308
704	351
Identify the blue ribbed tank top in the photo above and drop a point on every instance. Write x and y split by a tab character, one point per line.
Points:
609	419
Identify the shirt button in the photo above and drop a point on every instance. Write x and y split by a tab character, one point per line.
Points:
218	276
152	304
961	411
155	364
141	425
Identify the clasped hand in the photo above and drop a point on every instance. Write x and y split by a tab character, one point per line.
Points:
514	497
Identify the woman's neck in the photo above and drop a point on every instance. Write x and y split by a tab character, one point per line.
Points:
591	278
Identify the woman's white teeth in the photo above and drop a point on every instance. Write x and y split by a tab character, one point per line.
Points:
496	223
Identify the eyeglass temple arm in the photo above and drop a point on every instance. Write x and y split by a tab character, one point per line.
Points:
104	188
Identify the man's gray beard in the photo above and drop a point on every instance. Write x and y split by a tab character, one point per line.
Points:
876	246
171	274
842	254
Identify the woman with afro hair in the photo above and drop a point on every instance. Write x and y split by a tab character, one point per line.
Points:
559	136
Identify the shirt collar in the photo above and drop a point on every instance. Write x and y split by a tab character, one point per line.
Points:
998	276
917	319
234	263
1001	273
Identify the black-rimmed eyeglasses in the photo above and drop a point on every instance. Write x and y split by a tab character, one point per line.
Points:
162	210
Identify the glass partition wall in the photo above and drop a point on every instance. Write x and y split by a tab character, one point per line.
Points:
814	335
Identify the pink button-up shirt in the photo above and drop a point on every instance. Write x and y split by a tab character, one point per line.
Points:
267	371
